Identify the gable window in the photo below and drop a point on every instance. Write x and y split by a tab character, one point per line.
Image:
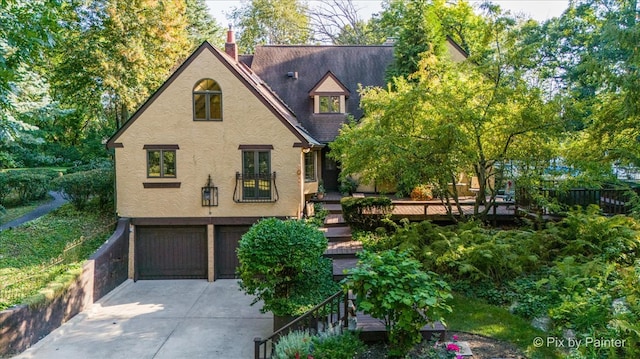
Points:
207	101
310	166
161	162
329	104
256	183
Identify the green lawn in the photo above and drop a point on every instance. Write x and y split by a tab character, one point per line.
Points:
477	317
43	251
17	212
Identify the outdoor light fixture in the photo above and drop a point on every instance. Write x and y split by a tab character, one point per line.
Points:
209	194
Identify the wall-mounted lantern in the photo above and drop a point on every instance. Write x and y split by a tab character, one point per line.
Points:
209	194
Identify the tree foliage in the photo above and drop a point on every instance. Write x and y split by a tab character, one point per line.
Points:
276	22
591	53
450	118
201	25
392	287
281	264
27	28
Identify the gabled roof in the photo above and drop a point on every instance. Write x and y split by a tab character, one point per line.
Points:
248	78
329	74
352	65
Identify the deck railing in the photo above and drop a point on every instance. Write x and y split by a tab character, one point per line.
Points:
330	313
611	201
427	209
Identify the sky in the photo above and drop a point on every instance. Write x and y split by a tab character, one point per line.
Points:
537	9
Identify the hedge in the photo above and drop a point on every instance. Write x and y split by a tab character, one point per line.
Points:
366	213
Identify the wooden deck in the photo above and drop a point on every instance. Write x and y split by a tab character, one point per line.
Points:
373	330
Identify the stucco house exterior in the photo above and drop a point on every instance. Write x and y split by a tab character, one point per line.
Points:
228	140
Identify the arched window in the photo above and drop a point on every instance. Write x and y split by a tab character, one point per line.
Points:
207	101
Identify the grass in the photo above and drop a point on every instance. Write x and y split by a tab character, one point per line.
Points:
36	255
19	211
477	317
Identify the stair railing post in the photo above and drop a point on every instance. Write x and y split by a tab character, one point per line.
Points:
256	343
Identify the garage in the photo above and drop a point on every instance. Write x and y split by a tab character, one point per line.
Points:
227	239
171	252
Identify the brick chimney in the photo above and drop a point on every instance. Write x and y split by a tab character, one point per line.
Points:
230	47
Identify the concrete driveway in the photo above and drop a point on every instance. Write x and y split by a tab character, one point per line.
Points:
161	319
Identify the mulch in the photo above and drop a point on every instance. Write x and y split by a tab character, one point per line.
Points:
488	348
482	348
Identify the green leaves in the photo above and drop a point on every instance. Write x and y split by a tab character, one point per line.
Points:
271	22
281	264
392	287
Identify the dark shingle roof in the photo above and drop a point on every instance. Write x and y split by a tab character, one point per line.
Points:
352	65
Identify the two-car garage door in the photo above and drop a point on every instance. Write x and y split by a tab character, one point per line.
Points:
180	252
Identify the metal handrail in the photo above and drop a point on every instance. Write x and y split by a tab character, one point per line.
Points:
264	347
240	196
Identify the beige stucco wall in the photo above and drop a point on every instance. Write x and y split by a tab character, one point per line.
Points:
455	54
206	147
329	85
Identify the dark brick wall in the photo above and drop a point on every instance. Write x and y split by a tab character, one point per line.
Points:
22	326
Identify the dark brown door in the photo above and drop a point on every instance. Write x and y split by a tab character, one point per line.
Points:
330	172
167	252
226	243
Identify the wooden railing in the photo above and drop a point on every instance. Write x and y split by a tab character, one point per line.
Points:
330	313
431	209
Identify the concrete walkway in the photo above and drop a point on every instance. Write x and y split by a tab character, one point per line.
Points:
58	201
161	319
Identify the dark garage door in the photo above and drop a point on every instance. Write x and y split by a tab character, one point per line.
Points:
171	252
226	259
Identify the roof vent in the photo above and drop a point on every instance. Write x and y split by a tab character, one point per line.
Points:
293	74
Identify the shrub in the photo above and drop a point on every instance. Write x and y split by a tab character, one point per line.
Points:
331	345
348	185
366	213
296	344
422	193
80	187
5	190
281	264
30	185
392	287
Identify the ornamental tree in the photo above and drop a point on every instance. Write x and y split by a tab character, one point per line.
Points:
449	118
281	264
391	286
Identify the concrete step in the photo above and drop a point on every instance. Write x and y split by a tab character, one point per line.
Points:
337	234
334	220
347	249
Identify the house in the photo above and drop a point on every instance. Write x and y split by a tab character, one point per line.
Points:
228	140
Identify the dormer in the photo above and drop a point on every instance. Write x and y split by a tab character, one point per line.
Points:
329	95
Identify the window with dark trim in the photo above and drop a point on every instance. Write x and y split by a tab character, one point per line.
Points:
256	175
310	166
329	104
207	101
161	163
